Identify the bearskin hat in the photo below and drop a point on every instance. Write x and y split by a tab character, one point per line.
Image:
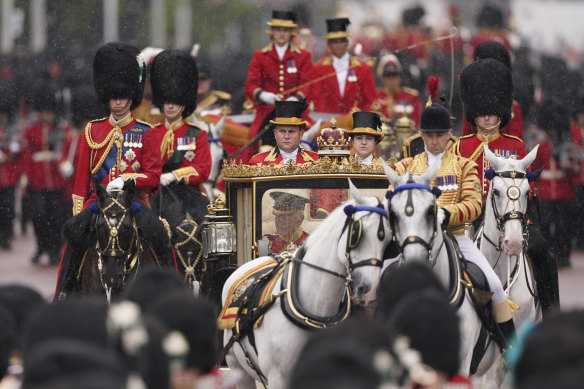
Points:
174	79
495	50
486	87
553	114
491	16
119	72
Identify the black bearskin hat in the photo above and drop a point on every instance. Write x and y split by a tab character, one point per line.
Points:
491	16
119	72
486	87
495	50
553	114
174	79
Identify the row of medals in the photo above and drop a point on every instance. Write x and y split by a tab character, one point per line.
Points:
133	140
447	183
186	143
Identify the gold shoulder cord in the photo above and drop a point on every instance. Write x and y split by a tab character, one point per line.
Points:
115	136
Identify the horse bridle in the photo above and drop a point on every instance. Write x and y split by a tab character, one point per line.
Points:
188	263
513	195
113	241
409	211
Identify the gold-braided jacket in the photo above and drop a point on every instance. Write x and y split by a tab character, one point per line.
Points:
459	181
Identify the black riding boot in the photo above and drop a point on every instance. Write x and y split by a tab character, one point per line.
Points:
508	330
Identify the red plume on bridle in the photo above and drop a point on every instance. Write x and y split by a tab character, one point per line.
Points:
432	83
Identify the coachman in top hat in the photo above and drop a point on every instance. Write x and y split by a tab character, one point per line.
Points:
275	69
114	149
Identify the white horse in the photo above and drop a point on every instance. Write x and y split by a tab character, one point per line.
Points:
504	228
214	132
328	262
416	225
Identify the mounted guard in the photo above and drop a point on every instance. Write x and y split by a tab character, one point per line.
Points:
113	150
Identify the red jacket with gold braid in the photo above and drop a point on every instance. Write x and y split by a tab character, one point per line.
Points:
196	162
41	157
359	87
267	73
130	149
514	127
274	157
472	146
385	103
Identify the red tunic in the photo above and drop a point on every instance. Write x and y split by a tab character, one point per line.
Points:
359	87
578	137
472	147
486	35
385	103
196	164
514	127
10	164
554	183
267	73
41	157
139	158
274	157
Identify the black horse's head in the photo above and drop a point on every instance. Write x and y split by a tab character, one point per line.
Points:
117	235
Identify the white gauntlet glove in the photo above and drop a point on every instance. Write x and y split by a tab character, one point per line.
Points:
167	179
292	98
269	97
118	183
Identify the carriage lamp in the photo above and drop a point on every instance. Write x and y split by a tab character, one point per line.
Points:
218	234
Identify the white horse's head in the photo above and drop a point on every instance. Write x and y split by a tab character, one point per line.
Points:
413	212
214	132
507	198
309	135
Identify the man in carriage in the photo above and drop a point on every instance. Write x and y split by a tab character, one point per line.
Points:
288	213
275	69
288	132
460	201
113	150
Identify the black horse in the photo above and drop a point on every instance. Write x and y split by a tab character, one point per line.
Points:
118	252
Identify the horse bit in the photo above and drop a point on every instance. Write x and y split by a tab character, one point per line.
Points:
513	195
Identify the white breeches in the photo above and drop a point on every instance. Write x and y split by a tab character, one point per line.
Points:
472	253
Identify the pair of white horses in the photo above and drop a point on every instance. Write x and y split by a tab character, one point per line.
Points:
278	341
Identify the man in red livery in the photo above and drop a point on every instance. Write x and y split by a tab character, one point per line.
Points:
184	147
275	69
43	143
113	150
288	133
342	82
392	99
487	89
495	50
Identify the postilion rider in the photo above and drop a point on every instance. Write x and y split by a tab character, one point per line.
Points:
112	150
288	131
184	148
460	200
365	135
288	213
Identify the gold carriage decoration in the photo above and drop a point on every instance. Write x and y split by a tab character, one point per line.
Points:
251	192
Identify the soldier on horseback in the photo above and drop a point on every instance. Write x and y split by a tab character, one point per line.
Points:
460	200
113	150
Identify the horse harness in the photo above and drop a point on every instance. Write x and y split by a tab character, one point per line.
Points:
513	195
289	292
189	263
409	211
113	247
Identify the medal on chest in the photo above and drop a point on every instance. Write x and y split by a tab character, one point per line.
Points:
291	66
505	153
351	76
445	183
133	140
188	144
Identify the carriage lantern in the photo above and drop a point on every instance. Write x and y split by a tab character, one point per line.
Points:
218	234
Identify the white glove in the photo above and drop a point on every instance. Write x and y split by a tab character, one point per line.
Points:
167	179
118	183
292	98
269	97
66	169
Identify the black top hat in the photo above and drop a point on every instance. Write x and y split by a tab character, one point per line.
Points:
118	72
367	123
486	88
337	28
495	50
435	118
289	113
287	203
174	79
283	19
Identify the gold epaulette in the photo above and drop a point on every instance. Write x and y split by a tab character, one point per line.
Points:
411	91
327	61
98	120
268	48
191	124
466	136
144	122
295	49
513	137
354	61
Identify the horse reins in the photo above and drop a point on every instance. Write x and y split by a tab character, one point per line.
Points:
188	263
